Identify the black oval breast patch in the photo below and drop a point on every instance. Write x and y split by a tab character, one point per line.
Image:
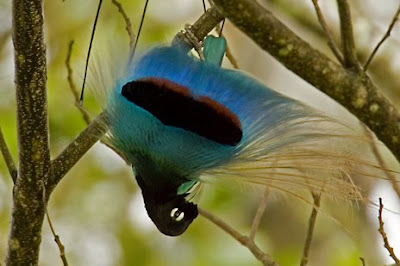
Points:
174	105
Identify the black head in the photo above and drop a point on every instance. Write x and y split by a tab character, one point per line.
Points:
172	218
171	213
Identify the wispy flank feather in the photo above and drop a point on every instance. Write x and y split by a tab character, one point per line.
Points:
104	72
287	145
301	155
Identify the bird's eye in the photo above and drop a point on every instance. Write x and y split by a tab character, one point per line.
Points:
177	214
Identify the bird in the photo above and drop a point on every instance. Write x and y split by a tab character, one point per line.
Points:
180	121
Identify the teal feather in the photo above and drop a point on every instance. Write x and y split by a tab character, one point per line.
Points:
285	144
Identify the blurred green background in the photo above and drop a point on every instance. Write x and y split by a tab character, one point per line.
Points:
97	209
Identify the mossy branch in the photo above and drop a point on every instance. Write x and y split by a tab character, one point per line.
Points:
75	150
352	89
33	136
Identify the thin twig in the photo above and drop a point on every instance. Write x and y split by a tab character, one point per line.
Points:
72	86
133	49
132	37
206	23
387	35
311	226
4	40
75	150
8	158
384	236
259	214
385	76
355	92
346	29
362	261
56	237
331	42
244	240
74	91
228	51
231	57
384	167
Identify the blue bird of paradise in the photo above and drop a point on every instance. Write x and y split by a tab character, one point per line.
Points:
181	121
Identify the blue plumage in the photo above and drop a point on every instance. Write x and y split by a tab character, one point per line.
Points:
136	130
284	144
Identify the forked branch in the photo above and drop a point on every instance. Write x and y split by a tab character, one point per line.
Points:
75	150
391	177
8	158
335	50
242	239
310	231
384	236
387	35
346	29
353	89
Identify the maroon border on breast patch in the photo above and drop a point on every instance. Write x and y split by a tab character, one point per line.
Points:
174	105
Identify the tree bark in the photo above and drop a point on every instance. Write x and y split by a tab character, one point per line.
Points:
350	87
32	125
38	176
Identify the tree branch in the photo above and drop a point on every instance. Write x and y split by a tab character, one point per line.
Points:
231	57
202	26
355	91
244	240
382	74
75	150
387	35
311	226
8	158
72	86
32	127
128	27
384	236
228	53
390	176
346	29
75	93
331	43
4	41
61	247
259	214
